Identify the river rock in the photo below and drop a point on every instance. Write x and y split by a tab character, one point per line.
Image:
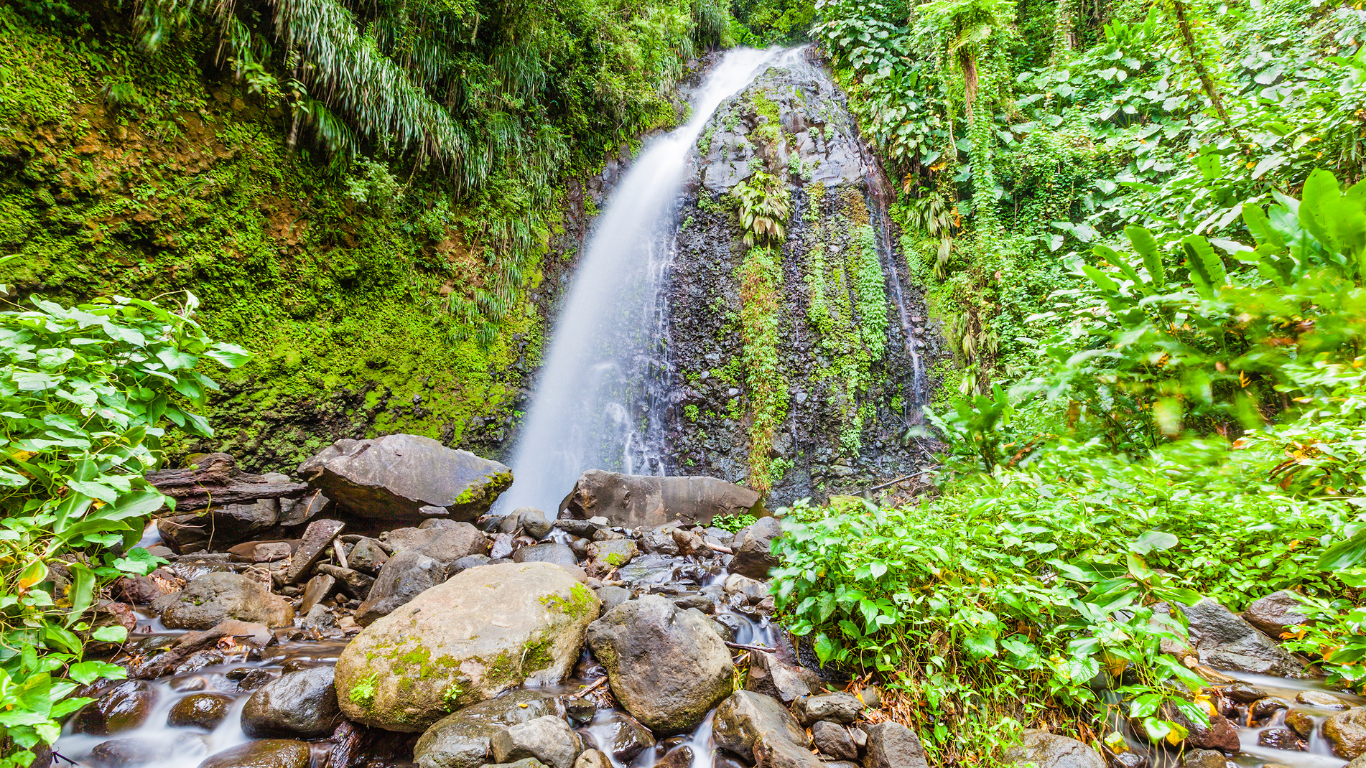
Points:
834	740
594	759
624	737
893	745
317	590
1049	750
462	740
454	541
1276	613
1220	734
1281	737
121	708
318	618
637	501
302	703
139	590
406	575
214	597
1346	731
122	753
270	753
533	522
353	582
367	556
548	739
667	667
1225	641
759	729
659	540
1204	758
482	632
786	683
836	707
199	710
611	554
409	477
611	597
754	549
549	552
1320	699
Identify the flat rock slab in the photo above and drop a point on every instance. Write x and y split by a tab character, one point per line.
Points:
406	477
317	538
638	501
482	632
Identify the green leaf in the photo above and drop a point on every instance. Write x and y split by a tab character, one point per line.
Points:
1143	242
1206	267
1152	540
1344	554
110	634
1101	279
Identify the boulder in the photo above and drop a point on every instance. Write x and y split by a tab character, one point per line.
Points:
548	739
124	753
611	597
199	710
1204	758
1281	737
623	737
406	575
462	740
1049	750
318	618
367	556
594	759
834	740
406	477
1225	641
140	590
1300	721
548	552
893	745
758	728
317	590
1220	734
637	501
482	632
532	522
667	667
302	703
611	554
121	708
270	753
454	541
754	549
353	582
835	707
214	597
1320	699
1276	613
770	676
1346	731
317	539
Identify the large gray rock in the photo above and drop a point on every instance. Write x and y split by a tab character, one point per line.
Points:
835	707
637	501
623	737
667	667
548	739
214	597
759	729
463	740
414	570
547	552
302	703
1276	613
770	676
121	708
409	477
482	632
754	549
834	740
893	745
199	710
1048	750
271	753
1225	641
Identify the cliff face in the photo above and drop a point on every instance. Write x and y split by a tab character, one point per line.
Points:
852	344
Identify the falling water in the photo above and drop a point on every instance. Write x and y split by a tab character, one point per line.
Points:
588	411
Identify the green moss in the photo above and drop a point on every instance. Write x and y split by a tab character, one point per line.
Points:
581	601
363	692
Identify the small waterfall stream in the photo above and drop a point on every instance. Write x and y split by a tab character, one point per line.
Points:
590	410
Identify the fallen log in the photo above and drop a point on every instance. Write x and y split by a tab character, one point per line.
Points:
216	480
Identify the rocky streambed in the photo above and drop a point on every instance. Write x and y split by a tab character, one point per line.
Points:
371	613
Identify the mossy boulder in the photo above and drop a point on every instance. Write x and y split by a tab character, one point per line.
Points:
406	477
480	633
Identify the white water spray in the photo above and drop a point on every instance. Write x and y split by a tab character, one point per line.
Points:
608	341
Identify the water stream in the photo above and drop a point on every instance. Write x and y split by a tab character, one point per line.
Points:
590	409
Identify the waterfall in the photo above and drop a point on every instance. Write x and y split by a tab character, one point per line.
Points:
589	409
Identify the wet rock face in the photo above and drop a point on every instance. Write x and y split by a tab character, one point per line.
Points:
214	597
482	632
1276	613
667	667
302	703
547	739
755	726
1346	731
893	745
202	710
754	549
635	501
406	477
270	753
122	708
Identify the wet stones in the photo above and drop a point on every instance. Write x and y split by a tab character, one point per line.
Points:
667	667
625	738
549	552
1225	641
835	707
834	740
1321	700
636	501
270	753
482	632
316	540
754	549
611	554
119	753
759	729
893	745
122	708
302	703
463	740
200	710
1346	731
1281	737
215	597
1204	758
406	477
406	575
547	739
1276	613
